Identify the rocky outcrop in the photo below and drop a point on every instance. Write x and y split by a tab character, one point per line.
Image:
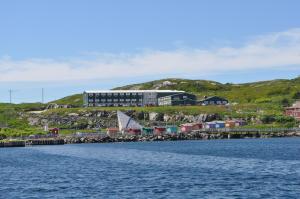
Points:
102	119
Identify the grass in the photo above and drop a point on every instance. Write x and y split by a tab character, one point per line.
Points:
263	100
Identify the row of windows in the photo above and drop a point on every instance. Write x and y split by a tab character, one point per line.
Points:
114	104
115	94
115	100
213	102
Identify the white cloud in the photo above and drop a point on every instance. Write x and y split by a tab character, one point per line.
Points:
276	50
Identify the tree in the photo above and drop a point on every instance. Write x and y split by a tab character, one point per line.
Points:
285	102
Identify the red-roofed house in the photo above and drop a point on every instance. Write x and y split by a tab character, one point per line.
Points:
294	111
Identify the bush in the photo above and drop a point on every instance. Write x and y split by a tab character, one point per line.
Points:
284	119
2	136
268	119
285	102
296	95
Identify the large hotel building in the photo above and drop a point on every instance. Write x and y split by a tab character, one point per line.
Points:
126	97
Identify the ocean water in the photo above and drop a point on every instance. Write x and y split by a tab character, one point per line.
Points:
242	168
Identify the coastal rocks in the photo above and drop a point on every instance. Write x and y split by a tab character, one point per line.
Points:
73	114
167	118
153	116
99	119
56	106
33	121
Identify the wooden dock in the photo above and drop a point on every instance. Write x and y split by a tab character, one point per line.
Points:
31	142
12	144
34	142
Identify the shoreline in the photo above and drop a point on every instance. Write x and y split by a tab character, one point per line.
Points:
71	139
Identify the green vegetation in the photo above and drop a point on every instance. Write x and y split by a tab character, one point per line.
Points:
264	101
278	93
12	125
73	100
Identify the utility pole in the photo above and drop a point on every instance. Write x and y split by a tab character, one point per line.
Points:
42	95
10	96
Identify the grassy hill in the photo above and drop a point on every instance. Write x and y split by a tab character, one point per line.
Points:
280	92
264	100
274	91
74	100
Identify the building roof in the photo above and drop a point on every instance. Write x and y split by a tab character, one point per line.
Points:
211	97
296	105
126	122
133	91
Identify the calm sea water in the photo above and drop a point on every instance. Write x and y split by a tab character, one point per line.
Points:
253	168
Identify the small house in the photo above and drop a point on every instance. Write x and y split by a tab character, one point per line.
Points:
234	123
197	126
112	131
189	127
293	111
214	100
54	131
230	124
132	131
186	128
159	130
220	124
147	131
210	125
172	129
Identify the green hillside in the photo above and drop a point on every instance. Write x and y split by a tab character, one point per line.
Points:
263	100
280	92
73	100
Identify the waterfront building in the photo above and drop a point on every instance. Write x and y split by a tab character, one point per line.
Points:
159	130
172	129
210	125
186	128
112	131
220	124
214	100
189	127
294	110
147	130
178	99
234	123
117	98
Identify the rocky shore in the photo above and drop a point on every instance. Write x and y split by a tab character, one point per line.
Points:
175	137
73	139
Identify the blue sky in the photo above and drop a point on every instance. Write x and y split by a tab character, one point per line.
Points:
69	46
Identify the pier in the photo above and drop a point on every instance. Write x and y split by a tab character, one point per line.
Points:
32	142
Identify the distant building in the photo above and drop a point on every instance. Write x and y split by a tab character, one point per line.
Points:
54	131
294	111
112	131
234	123
125	97
178	99
189	127
159	130
215	124
213	101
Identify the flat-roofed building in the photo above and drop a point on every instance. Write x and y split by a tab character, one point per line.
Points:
178	99
125	97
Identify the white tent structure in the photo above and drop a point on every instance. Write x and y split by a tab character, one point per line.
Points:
125	122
